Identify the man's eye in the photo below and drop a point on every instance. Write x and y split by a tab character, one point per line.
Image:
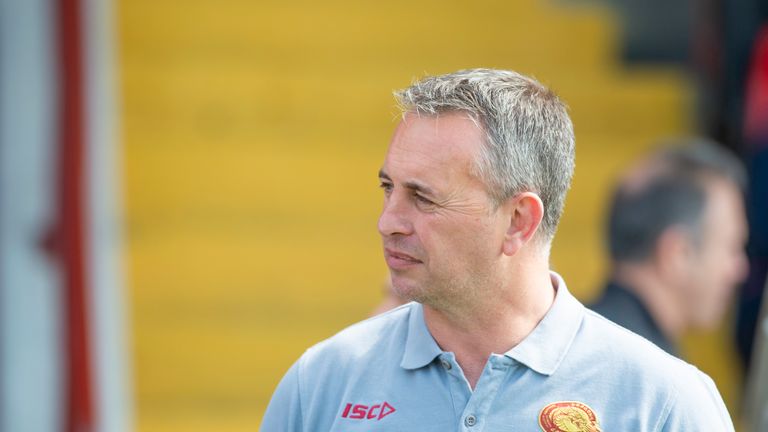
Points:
387	187
424	200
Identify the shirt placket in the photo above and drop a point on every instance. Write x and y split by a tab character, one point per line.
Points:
473	408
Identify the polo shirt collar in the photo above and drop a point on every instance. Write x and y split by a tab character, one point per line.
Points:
420	346
542	350
547	345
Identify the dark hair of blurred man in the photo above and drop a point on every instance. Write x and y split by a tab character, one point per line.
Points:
676	235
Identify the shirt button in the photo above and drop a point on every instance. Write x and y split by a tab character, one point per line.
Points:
446	364
470	420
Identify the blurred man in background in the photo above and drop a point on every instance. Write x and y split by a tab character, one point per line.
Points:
676	235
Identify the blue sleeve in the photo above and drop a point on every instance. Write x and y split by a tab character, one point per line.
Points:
284	411
698	407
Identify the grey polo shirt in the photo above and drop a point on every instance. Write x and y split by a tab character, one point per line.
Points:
576	371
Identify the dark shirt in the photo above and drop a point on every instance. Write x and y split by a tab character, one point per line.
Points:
623	307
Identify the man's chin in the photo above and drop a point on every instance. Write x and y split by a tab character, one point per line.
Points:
407	288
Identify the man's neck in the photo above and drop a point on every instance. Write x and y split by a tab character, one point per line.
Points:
495	324
658	298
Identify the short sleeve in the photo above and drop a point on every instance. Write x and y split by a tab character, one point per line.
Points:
698	407
284	411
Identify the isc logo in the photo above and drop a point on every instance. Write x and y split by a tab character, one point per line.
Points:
364	412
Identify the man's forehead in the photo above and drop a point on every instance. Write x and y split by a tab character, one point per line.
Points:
450	138
724	201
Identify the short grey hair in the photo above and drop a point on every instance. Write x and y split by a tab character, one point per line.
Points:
529	142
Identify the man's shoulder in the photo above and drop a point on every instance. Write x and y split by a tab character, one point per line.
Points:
629	353
358	357
378	336
640	374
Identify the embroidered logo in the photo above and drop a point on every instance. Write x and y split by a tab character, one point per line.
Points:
365	412
568	417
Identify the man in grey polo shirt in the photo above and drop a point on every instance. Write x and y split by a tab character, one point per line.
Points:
474	182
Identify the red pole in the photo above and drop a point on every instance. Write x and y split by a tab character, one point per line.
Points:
70	225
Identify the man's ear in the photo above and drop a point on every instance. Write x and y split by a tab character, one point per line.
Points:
525	210
673	252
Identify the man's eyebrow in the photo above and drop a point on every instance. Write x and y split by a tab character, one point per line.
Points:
419	188
410	184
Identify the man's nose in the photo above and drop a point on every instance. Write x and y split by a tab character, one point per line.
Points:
394	217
